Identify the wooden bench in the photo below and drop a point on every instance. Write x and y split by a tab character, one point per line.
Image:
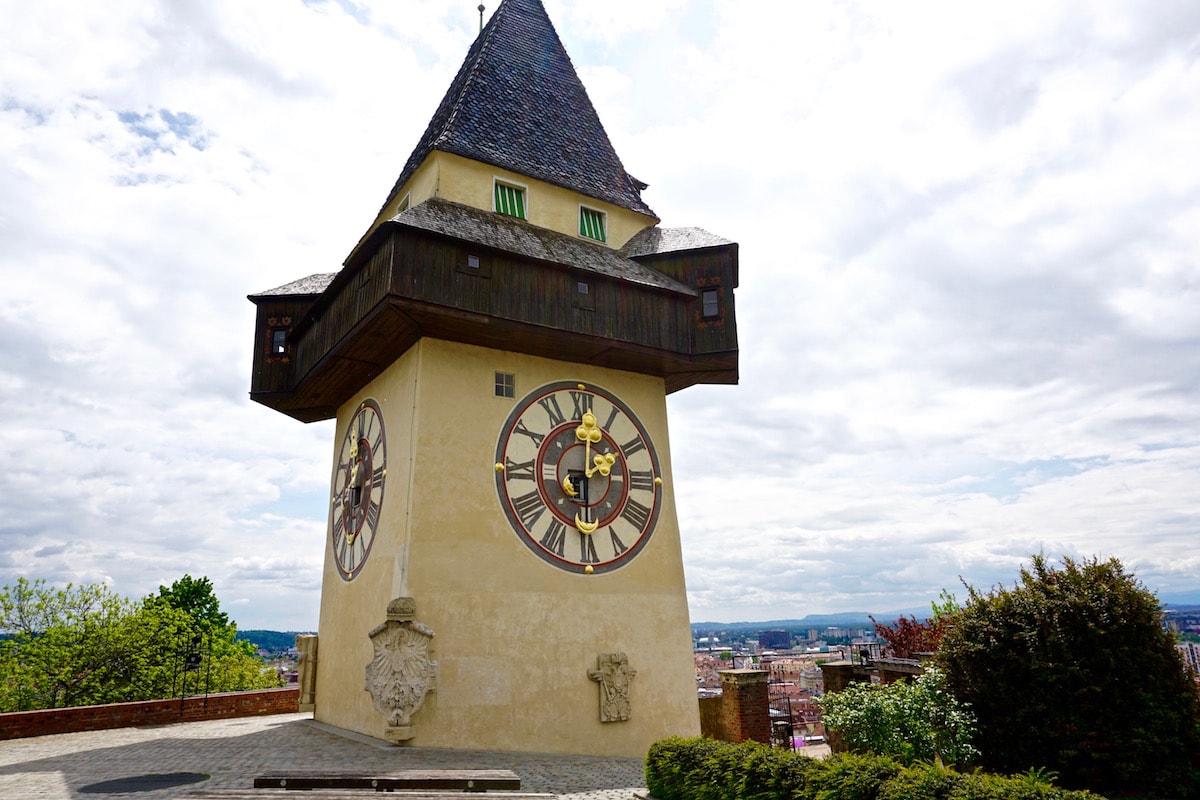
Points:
463	780
336	794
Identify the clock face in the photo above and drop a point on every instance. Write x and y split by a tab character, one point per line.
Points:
578	477
358	478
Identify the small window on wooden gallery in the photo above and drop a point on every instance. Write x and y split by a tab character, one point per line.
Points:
592	224
506	384
710	303
278	341
585	298
473	264
510	199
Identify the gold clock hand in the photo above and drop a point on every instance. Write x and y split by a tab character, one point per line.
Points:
589	433
585	528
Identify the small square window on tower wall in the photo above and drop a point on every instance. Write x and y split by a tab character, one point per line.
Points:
592	224
506	384
278	341
711	304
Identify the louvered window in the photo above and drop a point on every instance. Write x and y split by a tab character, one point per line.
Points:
510	200
591	224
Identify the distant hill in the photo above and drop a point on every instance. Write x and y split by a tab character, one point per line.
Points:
275	641
846	619
862	619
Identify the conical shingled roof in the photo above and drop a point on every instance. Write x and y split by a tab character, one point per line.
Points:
518	104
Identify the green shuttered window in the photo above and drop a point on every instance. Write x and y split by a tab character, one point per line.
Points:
591	224
510	200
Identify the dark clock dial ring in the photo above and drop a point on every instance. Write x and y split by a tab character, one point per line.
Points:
578	478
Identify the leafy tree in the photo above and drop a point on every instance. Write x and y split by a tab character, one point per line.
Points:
918	721
86	645
1071	671
906	637
197	598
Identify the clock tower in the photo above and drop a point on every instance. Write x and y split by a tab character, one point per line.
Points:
502	560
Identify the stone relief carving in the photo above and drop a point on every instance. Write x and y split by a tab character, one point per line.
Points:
401	673
614	676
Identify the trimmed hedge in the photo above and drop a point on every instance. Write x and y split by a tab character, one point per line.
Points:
705	769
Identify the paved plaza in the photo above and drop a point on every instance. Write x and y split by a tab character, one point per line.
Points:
65	766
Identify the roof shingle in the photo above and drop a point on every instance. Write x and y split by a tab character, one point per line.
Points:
526	240
518	104
656	241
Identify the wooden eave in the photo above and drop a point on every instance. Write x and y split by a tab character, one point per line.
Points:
386	330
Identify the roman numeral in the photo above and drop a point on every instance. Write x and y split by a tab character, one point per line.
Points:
372	514
587	550
536	437
618	546
555	537
550	404
377	475
635	514
641	479
632	446
514	471
612	417
581	403
529	508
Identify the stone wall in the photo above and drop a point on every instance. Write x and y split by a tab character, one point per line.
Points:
21	724
710	718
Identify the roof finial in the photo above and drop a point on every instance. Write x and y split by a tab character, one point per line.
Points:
481	17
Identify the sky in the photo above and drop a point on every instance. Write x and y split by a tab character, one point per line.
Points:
969	309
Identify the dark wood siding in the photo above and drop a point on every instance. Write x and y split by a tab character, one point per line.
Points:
416	284
713	269
275	372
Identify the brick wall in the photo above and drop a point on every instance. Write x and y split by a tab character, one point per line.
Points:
745	707
150	712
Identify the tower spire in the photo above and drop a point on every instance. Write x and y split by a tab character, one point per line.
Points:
517	103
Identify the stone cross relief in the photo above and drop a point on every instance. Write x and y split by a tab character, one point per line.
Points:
614	676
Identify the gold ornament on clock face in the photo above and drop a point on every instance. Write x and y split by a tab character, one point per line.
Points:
578	477
358	478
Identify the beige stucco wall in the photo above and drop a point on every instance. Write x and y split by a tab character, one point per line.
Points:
514	636
462	180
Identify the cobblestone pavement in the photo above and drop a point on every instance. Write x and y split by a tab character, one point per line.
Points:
62	766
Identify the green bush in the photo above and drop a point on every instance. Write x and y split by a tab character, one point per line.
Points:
850	776
705	769
923	781
1071	671
917	721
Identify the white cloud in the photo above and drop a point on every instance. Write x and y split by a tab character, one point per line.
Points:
968	304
